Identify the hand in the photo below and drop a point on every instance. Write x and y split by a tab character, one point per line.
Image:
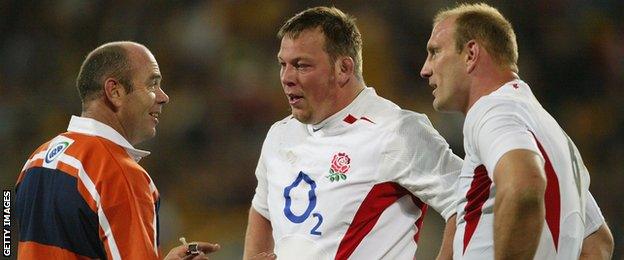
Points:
264	255
179	252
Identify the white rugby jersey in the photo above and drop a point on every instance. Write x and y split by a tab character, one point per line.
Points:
507	119
355	186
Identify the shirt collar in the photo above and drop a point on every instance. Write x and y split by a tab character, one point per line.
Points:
337	120
93	127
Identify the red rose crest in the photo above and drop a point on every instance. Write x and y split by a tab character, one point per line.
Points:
339	167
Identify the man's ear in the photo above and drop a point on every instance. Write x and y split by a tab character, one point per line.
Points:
473	50
114	92
345	68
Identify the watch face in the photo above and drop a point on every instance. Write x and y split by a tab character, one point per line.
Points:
193	249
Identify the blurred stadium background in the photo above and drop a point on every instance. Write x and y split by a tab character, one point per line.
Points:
219	67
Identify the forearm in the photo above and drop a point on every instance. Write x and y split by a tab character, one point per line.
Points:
446	250
518	221
258	238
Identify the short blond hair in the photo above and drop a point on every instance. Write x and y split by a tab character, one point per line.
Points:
486	25
342	36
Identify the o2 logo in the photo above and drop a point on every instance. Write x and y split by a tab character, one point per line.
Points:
55	151
311	203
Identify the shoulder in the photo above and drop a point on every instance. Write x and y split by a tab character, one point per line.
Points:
42	148
287	128
410	133
98	154
73	144
284	122
286	125
407	124
92	145
391	117
493	106
513	96
399	127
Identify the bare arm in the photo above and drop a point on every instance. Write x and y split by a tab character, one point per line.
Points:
598	245
259	238
446	250
519	205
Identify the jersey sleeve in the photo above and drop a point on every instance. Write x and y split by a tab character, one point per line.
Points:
125	203
498	129
418	158
593	215
260	199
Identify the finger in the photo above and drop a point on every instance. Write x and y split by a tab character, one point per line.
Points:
265	255
188	257
208	247
179	251
201	256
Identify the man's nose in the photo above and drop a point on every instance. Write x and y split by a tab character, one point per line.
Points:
425	71
161	96
288	75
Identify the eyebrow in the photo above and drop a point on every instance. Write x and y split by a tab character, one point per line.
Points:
155	76
295	60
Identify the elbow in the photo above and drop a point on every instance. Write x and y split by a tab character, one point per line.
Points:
610	246
608	242
599	245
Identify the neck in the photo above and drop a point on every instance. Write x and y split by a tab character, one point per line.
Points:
350	91
103	114
485	82
342	97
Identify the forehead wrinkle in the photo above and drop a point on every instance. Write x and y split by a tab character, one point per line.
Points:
294	53
443	27
441	32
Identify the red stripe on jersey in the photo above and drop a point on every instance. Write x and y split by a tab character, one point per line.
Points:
477	195
380	197
552	197
423	210
350	119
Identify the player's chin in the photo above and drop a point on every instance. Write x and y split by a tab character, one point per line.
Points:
439	106
149	133
301	115
436	104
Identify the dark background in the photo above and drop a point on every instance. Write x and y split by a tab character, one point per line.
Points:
218	59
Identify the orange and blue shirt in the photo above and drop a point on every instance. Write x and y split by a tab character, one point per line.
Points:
83	195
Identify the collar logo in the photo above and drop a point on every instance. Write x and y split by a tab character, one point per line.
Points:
339	167
55	151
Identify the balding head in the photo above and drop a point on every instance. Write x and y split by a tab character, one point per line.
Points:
486	25
111	60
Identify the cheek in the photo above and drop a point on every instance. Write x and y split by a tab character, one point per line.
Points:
312	87
143	103
447	72
149	99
